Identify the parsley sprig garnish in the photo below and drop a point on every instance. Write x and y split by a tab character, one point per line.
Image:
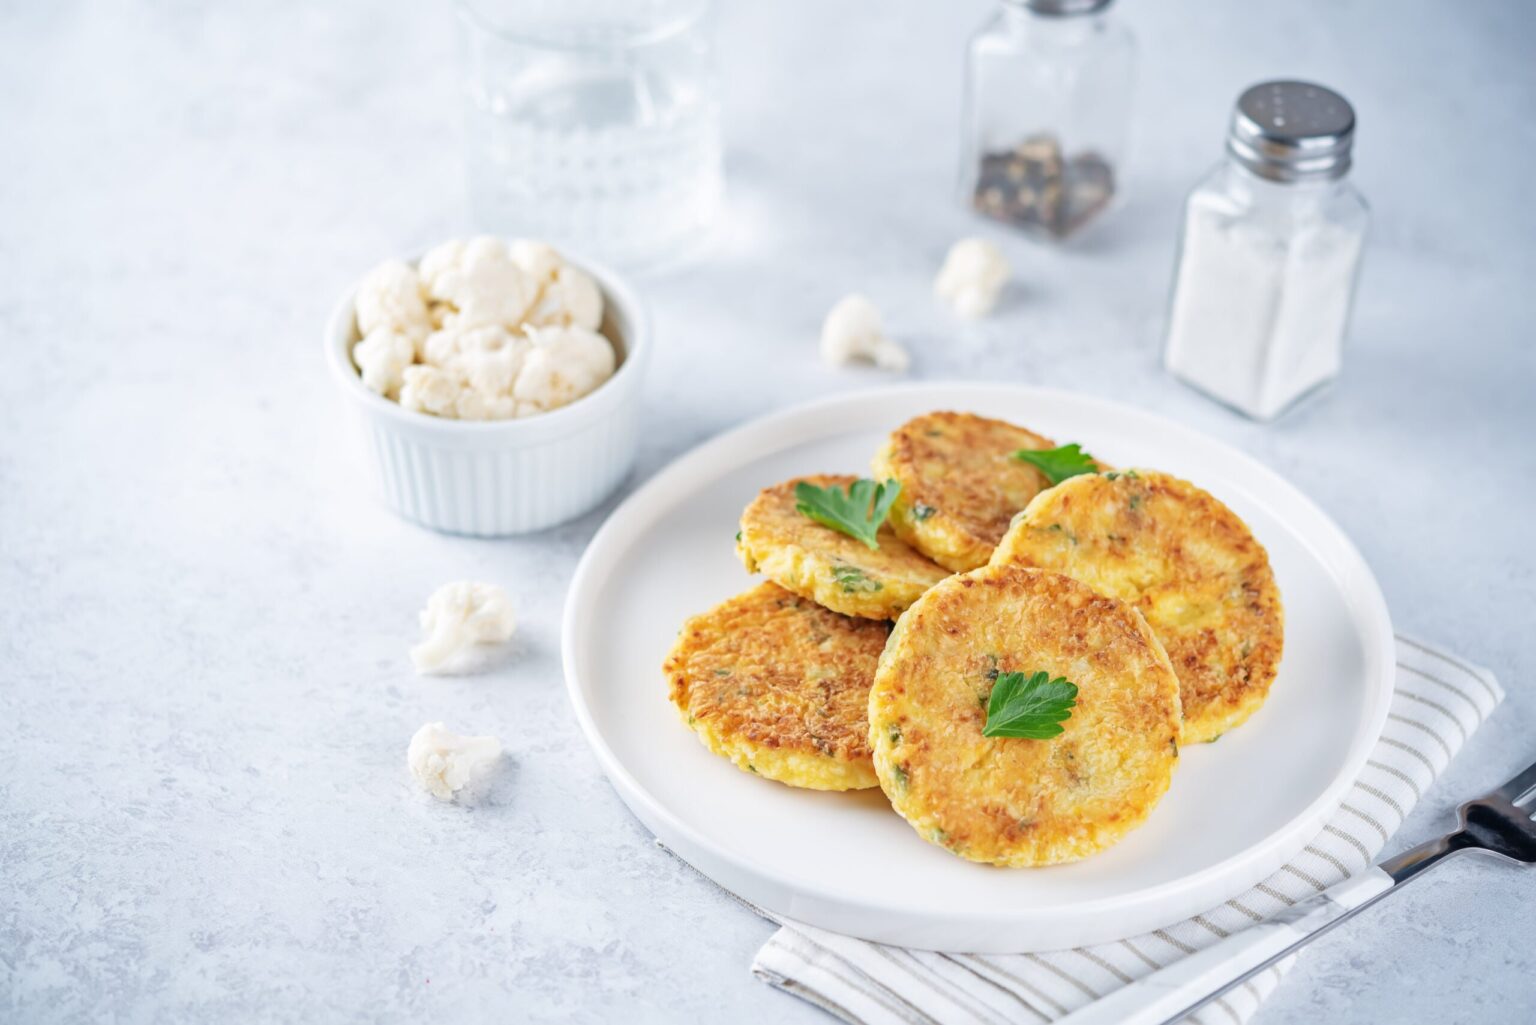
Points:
1033	707
857	512
1058	463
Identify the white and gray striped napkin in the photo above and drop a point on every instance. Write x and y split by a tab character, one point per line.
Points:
1439	702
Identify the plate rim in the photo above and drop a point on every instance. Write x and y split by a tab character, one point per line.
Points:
841	912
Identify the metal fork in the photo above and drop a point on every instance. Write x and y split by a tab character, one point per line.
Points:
1499	823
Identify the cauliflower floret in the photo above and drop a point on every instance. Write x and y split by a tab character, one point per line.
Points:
443	762
450	256
493	371
429	389
564	364
439	260
459	616
479	282
487	358
382	357
539	260
567	296
853	331
391	296
972	277
431	268
441	347
571	299
477	404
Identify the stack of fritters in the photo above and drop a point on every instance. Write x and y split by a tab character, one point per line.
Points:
1145	592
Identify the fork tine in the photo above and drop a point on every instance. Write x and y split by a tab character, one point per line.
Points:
1519	786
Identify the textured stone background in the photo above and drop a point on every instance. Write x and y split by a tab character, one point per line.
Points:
204	812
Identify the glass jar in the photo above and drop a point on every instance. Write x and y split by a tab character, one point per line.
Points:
1270	253
593	124
1047	111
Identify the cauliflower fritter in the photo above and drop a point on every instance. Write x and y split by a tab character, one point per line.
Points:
780	686
960	484
1015	801
826	566
1190	566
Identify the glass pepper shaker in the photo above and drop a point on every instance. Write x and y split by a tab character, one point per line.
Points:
1047	109
1270	253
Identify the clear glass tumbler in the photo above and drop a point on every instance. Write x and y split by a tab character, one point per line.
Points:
593	124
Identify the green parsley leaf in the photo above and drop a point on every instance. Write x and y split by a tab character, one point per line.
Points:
857	512
1033	707
1058	463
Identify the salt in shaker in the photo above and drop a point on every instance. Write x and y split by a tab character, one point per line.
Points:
1270	253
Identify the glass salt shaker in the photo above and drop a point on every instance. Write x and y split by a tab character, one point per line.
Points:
1270	253
1047	110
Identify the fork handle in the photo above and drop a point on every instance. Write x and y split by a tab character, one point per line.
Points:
1187	984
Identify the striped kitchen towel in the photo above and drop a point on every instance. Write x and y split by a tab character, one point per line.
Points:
1440	700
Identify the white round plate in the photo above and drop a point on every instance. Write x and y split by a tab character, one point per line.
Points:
1237	809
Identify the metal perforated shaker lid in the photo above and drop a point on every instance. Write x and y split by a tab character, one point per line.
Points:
1064	8
1292	131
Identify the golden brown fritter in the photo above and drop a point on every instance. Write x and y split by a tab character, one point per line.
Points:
1015	801
960	484
1186	562
826	566
780	686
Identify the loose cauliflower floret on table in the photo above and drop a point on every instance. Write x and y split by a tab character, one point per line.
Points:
853	332
972	277
458	617
443	762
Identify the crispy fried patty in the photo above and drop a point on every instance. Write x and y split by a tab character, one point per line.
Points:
780	686
960	484
1015	801
826	566
1186	562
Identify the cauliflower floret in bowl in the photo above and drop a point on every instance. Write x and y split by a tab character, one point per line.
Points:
497	384
563	364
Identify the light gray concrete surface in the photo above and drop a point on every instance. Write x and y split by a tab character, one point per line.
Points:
204	695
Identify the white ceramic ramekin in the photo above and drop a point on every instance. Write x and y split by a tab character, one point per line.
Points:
499	477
